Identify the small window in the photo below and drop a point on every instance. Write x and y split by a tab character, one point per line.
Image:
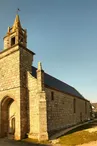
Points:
12	41
86	107
74	105
52	95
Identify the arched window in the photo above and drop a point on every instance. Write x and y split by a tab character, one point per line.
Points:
13	125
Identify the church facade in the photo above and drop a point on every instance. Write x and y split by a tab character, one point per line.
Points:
33	103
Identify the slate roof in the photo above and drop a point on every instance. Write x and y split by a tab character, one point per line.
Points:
57	84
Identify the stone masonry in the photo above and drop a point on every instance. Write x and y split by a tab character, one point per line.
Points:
28	106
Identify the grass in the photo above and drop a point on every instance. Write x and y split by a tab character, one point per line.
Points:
79	135
74	137
78	138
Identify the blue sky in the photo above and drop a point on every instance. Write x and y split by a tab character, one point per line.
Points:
63	34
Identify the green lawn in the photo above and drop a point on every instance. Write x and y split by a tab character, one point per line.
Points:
78	138
74	137
79	135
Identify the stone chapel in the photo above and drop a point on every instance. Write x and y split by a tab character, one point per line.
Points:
32	102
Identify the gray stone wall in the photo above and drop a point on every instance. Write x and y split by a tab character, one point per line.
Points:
60	110
9	69
14	63
36	112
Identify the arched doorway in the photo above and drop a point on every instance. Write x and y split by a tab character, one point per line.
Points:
7	116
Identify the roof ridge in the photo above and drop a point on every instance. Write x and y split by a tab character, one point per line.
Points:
56	78
58	84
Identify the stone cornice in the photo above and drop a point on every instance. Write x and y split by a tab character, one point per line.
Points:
13	49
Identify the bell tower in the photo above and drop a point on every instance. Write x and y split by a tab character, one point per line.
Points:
15	62
15	35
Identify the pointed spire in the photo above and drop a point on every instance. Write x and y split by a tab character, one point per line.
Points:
17	23
8	29
39	66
